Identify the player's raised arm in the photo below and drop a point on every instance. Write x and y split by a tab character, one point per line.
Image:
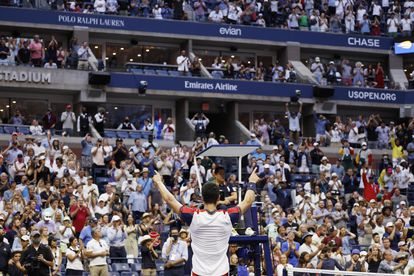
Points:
165	194
250	195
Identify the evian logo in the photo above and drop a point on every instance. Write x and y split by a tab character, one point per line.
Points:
230	31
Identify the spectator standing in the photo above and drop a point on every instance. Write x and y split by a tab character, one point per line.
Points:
38	251
392	25
68	118
126	124
216	15
317	69
23	55
137	203
379	76
117	237
37	52
99	121
97	250
83	122
49	122
175	252
75	255
168	130
86	155
294	123
200	122
83	56
148	255
183	63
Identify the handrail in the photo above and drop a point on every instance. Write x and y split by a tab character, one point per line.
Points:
131	64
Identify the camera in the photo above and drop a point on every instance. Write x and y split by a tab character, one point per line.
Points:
31	263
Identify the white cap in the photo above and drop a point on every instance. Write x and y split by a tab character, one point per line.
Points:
334	175
324	158
275	148
252	135
130	177
356	205
25	238
401	243
389	224
274	210
65	147
290	144
372	201
317	59
364	143
315	144
115	218
363	253
266	166
403	202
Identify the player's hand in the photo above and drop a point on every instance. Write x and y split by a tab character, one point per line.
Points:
157	178
254	178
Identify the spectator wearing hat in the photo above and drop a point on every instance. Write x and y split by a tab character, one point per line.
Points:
97	250
355	264
364	156
308	247
117	237
120	151
294	123
149	255
253	140
146	224
39	255
317	69
68	118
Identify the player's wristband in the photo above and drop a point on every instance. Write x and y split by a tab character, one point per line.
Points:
251	186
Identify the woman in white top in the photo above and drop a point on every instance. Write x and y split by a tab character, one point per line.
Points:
57	255
283	264
66	232
168	130
107	149
100	6
157	12
74	254
325	167
323	23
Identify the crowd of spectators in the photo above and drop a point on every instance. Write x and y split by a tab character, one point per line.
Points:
366	17
347	211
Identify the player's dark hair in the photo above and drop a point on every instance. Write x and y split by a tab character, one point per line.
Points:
210	192
218	169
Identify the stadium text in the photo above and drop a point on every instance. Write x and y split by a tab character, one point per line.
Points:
366	42
230	31
210	86
375	96
83	20
33	77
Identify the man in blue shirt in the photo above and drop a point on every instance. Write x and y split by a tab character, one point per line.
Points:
137	203
320	128
291	249
86	233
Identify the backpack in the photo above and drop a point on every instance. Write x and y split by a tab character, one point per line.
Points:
199	127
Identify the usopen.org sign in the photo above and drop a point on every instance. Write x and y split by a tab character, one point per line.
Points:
367	96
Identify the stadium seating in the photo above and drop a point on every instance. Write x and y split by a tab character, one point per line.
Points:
119	267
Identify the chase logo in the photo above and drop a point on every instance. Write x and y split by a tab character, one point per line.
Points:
405	47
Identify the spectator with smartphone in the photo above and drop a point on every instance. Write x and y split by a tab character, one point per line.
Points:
148	256
117	237
175	254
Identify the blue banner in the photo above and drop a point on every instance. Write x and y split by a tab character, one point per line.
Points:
405	47
191	29
254	88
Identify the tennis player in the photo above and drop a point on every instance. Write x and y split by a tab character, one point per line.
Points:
210	228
